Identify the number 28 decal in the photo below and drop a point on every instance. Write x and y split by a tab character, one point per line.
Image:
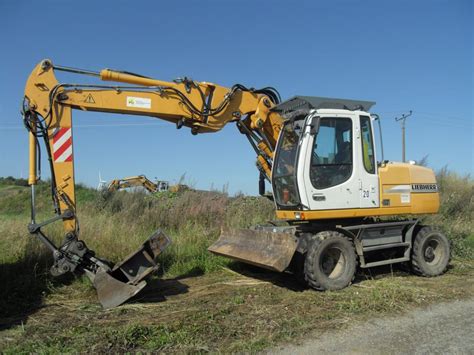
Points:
365	193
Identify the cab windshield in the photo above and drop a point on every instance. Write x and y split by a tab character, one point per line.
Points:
331	161
284	172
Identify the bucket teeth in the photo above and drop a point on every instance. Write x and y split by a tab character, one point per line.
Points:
266	248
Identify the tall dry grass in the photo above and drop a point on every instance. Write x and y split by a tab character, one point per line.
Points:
456	214
114	224
119	222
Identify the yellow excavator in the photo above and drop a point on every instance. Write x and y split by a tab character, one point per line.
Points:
343	208
143	181
137	181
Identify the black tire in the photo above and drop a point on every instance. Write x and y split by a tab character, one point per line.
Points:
330	262
430	253
297	268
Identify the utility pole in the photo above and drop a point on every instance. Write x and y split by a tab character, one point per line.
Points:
403	119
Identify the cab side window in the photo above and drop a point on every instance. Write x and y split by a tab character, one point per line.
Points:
331	162
367	144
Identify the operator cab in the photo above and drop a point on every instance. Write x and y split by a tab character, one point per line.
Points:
325	157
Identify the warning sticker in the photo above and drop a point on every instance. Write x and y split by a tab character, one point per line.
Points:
140	102
89	99
405	198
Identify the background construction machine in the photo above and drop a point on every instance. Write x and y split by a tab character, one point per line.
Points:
138	181
317	153
143	181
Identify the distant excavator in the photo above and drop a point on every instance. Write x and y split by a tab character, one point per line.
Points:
318	154
137	181
143	181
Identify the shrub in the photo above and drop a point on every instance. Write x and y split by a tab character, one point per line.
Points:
456	214
115	223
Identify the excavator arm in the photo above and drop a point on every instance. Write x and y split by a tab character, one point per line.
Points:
131	181
203	107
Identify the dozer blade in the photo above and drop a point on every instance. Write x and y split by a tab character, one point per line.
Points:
126	279
269	249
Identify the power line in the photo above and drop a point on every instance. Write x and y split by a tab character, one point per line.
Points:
97	125
438	122
424	113
440	115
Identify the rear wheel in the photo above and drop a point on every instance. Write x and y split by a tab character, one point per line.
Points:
430	252
330	262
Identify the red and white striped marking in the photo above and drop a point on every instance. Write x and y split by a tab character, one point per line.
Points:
62	145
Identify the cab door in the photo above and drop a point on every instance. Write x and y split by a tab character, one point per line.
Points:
330	176
369	180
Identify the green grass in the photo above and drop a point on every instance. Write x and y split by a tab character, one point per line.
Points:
231	310
470	242
113	225
456	215
210	303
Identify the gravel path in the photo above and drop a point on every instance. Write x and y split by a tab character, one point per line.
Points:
446	328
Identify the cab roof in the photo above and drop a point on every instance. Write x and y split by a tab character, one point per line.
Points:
314	102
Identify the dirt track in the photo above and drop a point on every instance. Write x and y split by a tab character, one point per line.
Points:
445	328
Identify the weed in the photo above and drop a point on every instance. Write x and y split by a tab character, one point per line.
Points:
215	316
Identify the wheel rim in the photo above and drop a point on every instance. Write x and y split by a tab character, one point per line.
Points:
332	262
433	251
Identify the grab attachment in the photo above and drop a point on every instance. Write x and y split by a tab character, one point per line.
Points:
126	279
114	285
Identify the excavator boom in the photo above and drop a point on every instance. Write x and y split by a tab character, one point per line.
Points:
140	180
203	107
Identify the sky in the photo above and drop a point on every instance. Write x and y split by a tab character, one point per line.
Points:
405	55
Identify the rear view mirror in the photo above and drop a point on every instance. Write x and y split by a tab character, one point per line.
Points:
314	124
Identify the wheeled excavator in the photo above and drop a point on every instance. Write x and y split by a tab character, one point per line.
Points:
134	181
143	181
343	208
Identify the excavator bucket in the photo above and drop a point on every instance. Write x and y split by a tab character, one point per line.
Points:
267	248
126	279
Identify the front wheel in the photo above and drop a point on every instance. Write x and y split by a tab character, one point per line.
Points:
430	253
330	262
